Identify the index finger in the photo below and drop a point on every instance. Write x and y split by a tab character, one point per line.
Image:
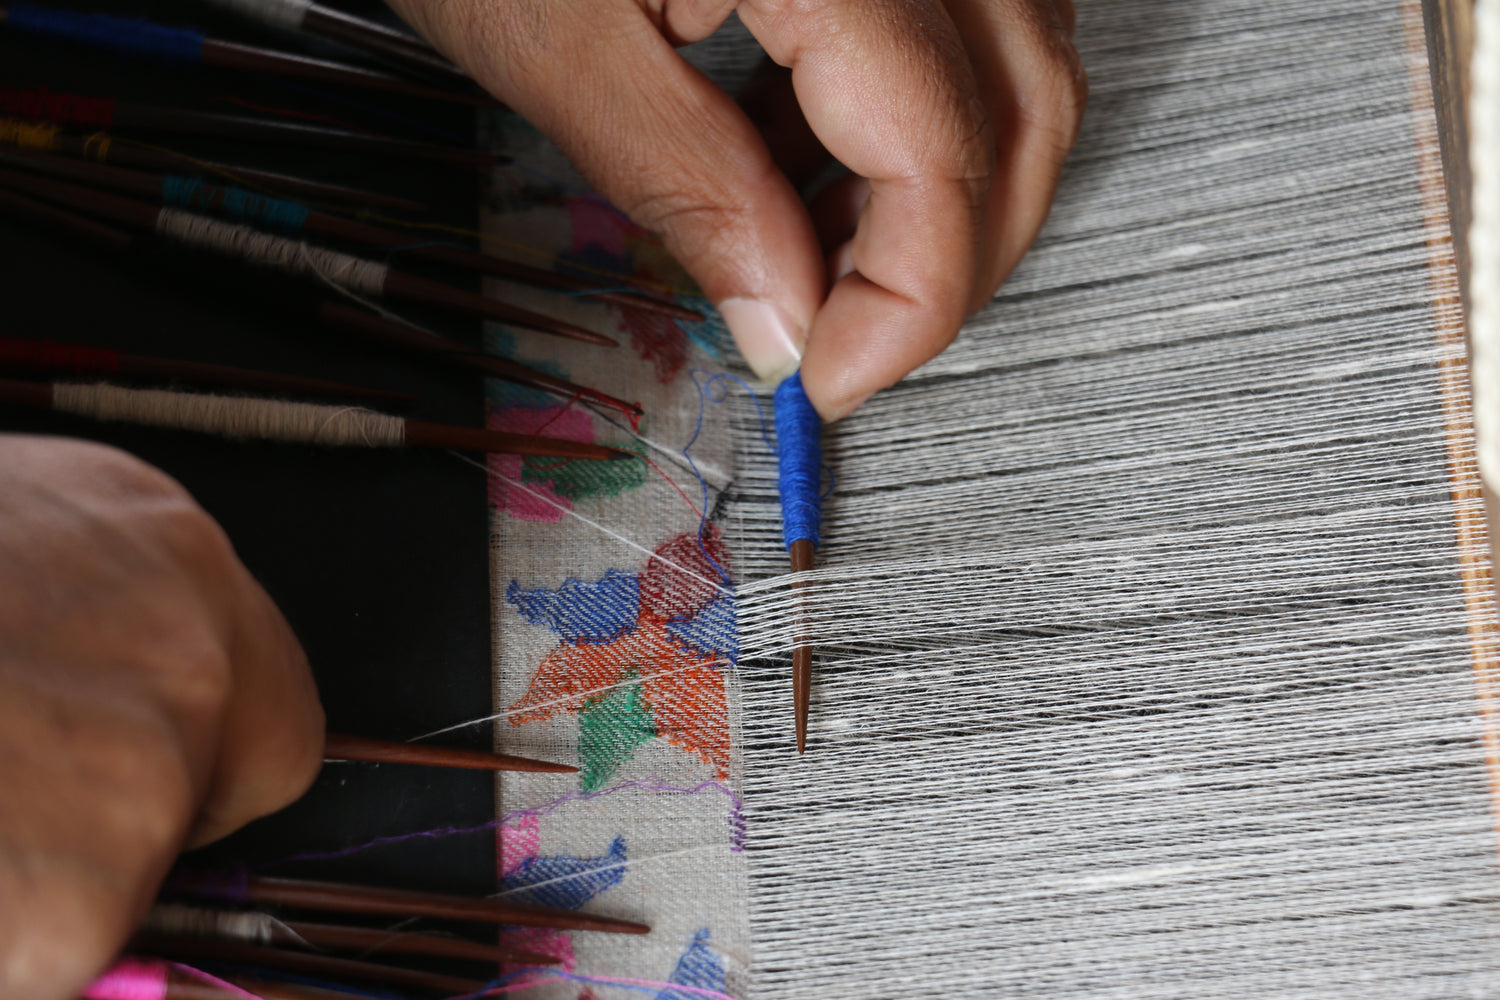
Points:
887	87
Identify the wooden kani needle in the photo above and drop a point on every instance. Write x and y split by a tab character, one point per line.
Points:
409	337
335	897
179	920
76	360
369	36
184	45
253	418
80	111
337	746
103	148
799	454
195	196
328	966
341	316
139	216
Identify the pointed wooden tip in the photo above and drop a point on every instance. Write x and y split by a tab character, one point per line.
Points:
621	454
802	553
645	303
573	920
339	746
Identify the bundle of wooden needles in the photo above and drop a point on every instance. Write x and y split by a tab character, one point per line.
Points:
238	926
87	167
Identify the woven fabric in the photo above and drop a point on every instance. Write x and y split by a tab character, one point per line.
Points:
614	604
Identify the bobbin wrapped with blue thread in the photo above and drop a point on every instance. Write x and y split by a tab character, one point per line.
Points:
799	453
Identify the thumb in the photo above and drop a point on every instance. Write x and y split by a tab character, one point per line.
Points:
659	140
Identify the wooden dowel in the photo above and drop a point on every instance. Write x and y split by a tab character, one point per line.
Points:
399	284
416	433
372	940
142	216
83	111
340	898
400	47
123	154
404	336
149	186
177	920
52	358
231	55
329	966
478	439
206	123
339	746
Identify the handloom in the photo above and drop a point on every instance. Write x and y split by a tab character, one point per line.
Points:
1156	617
1155	621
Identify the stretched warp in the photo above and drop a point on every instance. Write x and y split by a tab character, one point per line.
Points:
1156	613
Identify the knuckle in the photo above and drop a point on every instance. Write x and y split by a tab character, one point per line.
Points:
701	216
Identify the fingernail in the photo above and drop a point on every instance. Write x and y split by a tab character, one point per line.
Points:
769	340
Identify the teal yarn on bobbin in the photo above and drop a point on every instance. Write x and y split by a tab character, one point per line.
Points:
253	209
799	455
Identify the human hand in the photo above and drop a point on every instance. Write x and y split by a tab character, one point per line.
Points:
953	115
151	698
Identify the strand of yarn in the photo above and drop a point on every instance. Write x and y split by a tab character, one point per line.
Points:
287	14
273	252
198	921
799	455
191	193
28	135
128	36
62	109
231	416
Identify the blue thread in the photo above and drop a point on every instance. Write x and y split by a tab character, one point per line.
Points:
799	452
238	204
712	631
699	967
704	397
566	882
580	611
117	34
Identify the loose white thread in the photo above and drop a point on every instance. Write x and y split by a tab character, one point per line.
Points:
231	416
197	921
275	252
286	14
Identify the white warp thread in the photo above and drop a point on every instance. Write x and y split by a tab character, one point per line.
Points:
232	416
286	14
197	921
274	252
1147	667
